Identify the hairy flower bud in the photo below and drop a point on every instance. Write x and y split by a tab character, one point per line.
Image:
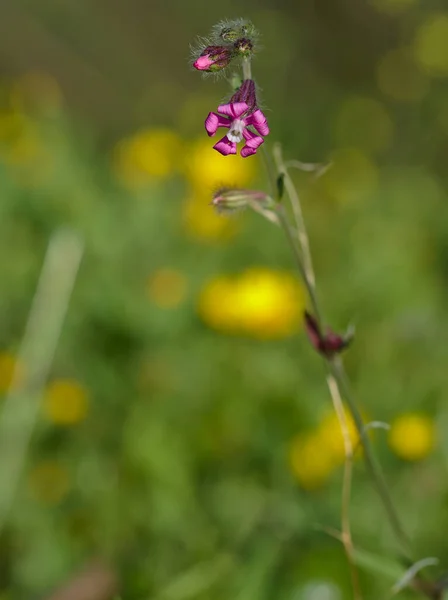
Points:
214	58
231	31
228	200
244	47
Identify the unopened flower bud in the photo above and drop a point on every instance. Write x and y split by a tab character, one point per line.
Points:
328	343
246	93
228	200
244	47
214	58
228	34
233	30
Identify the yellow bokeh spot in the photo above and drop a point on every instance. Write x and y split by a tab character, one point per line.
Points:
203	223
332	438
260	303
310	462
22	149
399	77
49	482
8	366
315	455
363	123
167	288
431	45
65	402
412	436
393	7
148	155
351	178
208	170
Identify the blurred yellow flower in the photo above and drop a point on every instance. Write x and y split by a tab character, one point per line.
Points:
65	402
412	436
310	462
22	148
260	302
49	482
208	170
149	154
399	77
431	44
314	456
202	222
167	288
331	435
8	363
19	139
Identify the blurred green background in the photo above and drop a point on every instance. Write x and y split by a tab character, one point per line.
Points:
186	433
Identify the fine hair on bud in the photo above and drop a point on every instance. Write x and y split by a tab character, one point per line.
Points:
230	43
229	31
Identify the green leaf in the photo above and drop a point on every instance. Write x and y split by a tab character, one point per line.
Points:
280	186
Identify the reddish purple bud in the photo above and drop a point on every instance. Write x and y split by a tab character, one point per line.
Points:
214	58
326	344
246	93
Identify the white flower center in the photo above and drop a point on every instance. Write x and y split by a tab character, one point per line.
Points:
236	131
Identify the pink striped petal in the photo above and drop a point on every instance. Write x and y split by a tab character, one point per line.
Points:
246	151
233	110
252	139
213	121
225	146
258	120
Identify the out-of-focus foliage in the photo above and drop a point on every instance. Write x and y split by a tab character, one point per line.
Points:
186	430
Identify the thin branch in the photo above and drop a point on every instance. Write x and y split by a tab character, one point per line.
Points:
346	536
302	257
298	215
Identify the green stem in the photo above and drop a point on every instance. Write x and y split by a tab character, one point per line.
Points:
286	226
302	258
247	70
336	368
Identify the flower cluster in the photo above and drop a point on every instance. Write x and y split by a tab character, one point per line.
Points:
228	42
240	115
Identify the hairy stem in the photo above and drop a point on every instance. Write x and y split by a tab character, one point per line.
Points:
247	70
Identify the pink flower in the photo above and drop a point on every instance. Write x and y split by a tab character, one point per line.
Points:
232	116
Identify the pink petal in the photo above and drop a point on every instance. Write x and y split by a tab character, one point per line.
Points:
234	109
203	63
252	139
213	121
246	151
225	146
258	120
